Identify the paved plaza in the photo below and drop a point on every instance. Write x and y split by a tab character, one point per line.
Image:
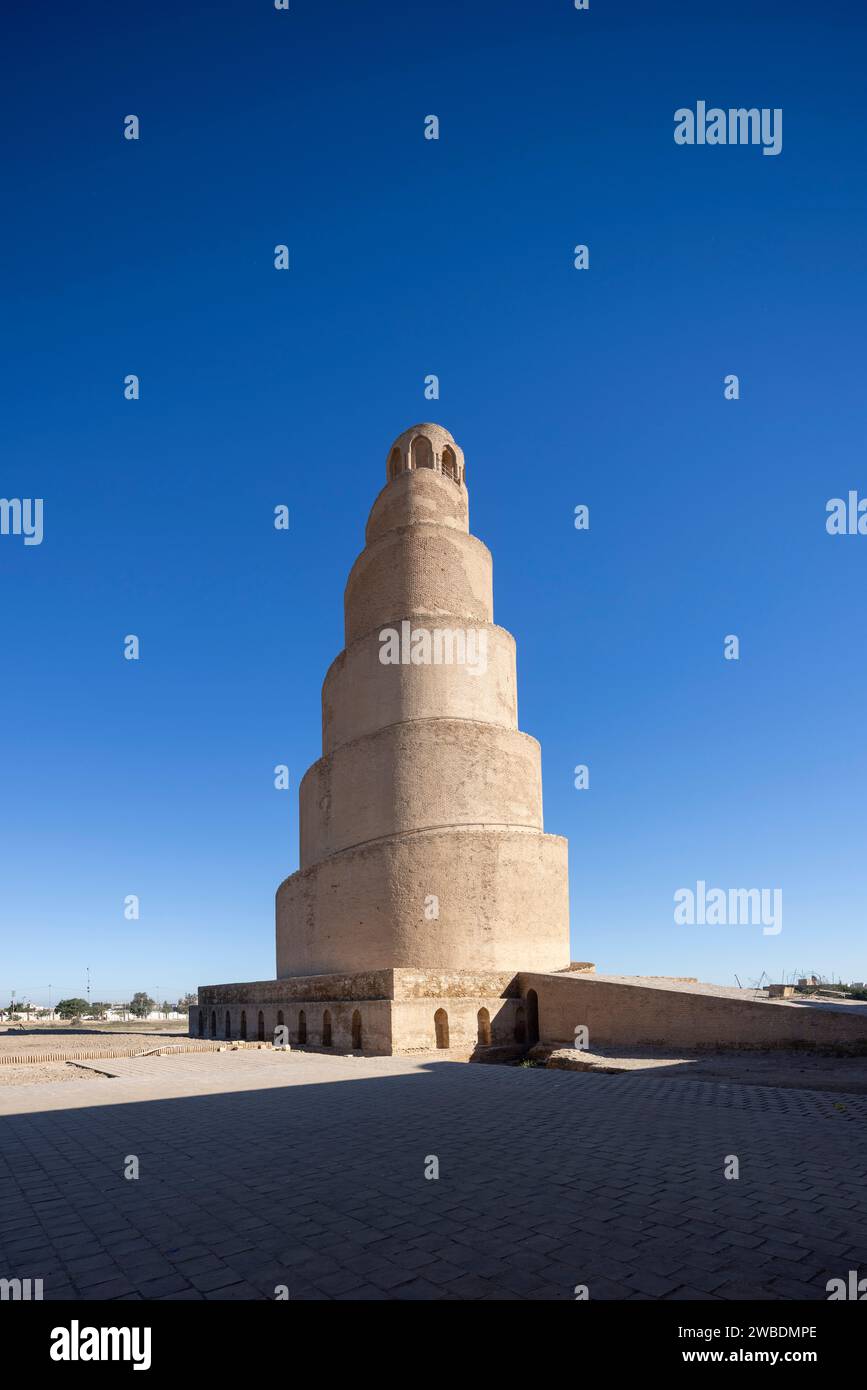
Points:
259	1170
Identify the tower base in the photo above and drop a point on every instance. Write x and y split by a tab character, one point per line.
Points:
379	1012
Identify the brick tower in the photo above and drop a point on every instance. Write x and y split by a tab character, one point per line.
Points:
426	881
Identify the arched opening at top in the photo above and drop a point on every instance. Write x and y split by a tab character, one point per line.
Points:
520	1024
422	452
450	463
260	1027
213	1023
228	1031
483	1019
356	1030
394	464
302	1026
326	1028
242	1031
441	1027
201	1023
281	1022
532	1016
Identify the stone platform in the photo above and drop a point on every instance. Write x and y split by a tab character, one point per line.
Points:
378	1012
399	1011
264	1169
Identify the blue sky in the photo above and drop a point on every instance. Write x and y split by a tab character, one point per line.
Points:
259	387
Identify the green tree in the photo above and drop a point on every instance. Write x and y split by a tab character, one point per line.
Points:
141	1004
72	1008
99	1010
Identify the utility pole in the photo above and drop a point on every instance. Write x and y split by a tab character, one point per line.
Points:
88	988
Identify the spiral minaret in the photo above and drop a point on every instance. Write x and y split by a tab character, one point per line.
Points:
421	837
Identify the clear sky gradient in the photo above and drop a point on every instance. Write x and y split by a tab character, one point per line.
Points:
259	387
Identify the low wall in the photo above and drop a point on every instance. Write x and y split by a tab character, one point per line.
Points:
306	1021
616	1014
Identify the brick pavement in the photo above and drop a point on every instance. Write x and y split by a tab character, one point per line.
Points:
260	1169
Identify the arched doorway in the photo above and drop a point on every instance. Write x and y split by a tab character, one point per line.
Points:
520	1024
356	1030
243	1028
228	1032
302	1027
260	1027
281	1022
532	1017
326	1029
441	1027
213	1023
201	1023
483	1019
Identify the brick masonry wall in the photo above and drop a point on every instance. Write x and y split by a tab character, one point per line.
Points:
243	1021
414	1022
371	984
617	1014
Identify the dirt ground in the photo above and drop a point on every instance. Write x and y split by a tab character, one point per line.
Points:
38	1073
53	1050
43	1041
50	1049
